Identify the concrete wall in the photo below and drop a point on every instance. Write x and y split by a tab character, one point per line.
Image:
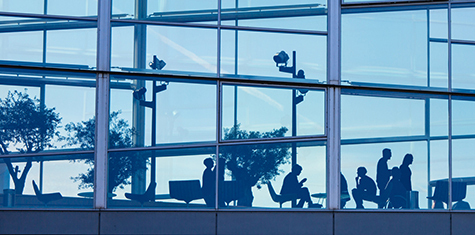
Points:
235	222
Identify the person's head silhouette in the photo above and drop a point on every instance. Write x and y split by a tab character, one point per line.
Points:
396	173
361	171
208	162
408	159
296	169
387	153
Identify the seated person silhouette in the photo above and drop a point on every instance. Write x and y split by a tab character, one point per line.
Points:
209	182
395	190
365	188
343	191
291	186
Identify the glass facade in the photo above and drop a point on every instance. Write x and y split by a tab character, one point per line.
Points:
223	105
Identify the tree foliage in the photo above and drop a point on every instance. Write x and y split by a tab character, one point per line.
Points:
254	164
121	164
27	127
25	124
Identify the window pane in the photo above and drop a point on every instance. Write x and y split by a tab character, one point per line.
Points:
463	26
249	167
463	73
255	51
367	117
48	42
404	124
178	177
385	48
296	16
72	7
38	117
175	51
185	112
64	181
258	112
462	178
425	167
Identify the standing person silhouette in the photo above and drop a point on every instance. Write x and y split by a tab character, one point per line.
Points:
406	172
292	185
209	182
382	172
365	188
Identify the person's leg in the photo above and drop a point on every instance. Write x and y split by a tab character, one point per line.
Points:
358	199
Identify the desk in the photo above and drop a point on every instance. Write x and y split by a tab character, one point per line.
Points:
91	194
468	180
162	196
322	196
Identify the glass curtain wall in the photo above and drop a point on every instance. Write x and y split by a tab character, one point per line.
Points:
47	58
191	130
407	137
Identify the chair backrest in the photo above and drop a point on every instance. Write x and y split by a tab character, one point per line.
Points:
186	190
151	190
35	187
273	194
441	192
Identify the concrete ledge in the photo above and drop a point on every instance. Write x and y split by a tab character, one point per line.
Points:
150	222
49	222
278	222
397	223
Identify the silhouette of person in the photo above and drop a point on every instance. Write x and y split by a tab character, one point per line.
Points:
19	182
395	190
220	169
365	188
406	172
382	172
291	185
343	191
209	181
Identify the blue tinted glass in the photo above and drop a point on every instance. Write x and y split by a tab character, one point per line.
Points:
463	117
40	117
438	64
175	52
60	181
67	44
76	47
72	7
305	16
262	176
368	155
23	6
264	110
366	117
22	46
385	48
463	26
185	112
256	50
462	69
462	173
177	184
438	23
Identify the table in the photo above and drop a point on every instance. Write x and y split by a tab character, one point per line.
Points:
323	196
468	180
91	194
162	196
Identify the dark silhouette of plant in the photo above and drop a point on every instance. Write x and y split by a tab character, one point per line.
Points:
121	164
254	164
26	127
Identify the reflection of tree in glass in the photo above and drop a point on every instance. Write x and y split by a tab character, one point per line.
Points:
121	164
254	164
27	126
